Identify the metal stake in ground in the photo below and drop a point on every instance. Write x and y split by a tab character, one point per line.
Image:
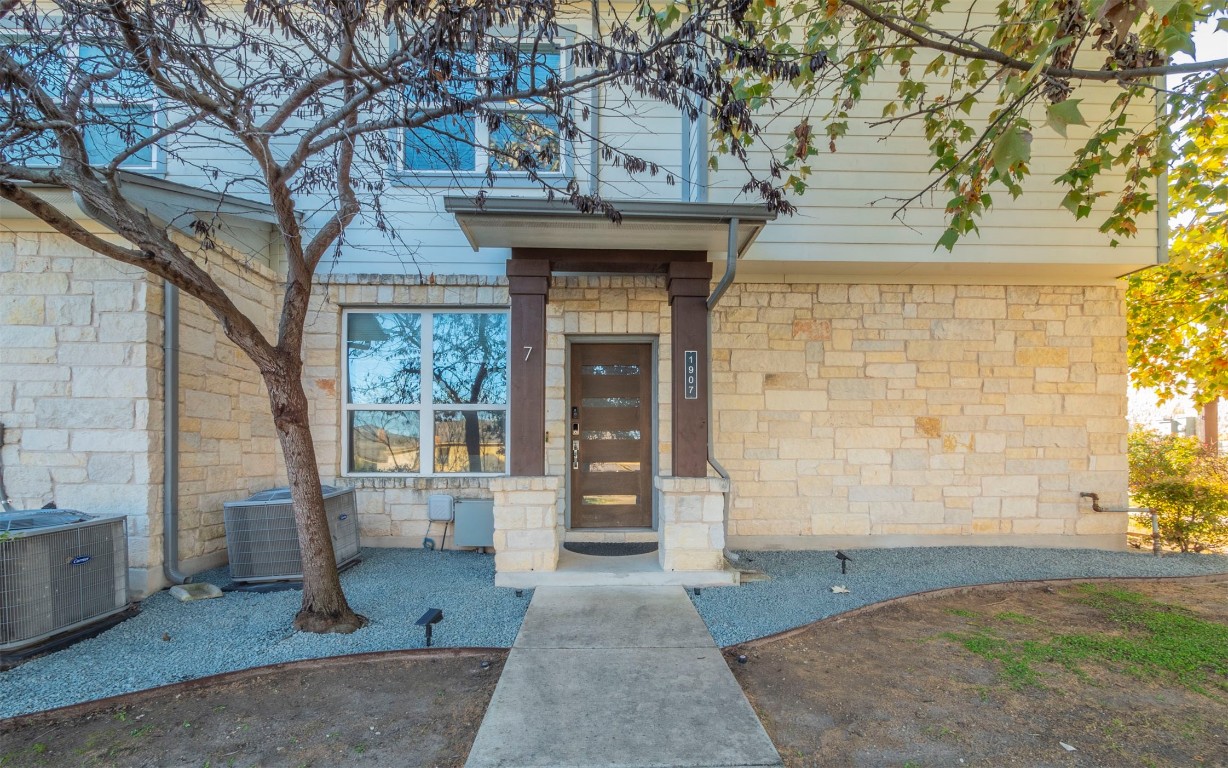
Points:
844	561
427	620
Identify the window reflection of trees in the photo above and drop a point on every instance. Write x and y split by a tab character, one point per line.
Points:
385	441
385	358
470	367
455	448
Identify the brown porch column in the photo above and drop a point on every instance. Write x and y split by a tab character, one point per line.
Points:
688	296
528	282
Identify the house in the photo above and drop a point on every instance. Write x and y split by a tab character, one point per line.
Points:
704	374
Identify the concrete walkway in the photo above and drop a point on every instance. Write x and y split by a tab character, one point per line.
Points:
618	677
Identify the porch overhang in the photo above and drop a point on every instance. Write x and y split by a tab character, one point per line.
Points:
645	225
248	226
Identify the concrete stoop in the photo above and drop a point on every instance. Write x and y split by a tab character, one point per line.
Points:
576	570
618	677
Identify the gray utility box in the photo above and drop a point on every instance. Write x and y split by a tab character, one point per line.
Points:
262	539
59	570
475	523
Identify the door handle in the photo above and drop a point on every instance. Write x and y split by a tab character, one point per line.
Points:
575	454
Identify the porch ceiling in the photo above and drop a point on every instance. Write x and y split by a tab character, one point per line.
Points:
501	222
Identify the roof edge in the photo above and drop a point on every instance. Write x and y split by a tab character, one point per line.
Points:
636	209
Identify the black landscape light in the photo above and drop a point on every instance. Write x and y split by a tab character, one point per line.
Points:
844	561
430	618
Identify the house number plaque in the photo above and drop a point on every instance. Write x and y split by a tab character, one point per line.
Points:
690	374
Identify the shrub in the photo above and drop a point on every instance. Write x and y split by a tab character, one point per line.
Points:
1185	483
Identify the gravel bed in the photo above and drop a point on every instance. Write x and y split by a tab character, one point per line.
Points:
391	587
799	591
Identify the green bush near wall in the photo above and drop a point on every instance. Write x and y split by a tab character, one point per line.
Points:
1185	483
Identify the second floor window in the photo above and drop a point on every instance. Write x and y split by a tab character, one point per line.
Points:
117	113
518	135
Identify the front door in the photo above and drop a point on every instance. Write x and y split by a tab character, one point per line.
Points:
610	435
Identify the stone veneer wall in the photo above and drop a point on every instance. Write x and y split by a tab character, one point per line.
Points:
921	414
692	523
392	510
79	385
81	391
228	448
582	306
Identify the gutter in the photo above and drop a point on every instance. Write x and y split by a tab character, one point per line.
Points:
170	413
731	270
170	435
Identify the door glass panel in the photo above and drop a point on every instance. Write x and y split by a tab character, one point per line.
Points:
610	370
611	434
610	402
614	466
384	441
610	499
470	441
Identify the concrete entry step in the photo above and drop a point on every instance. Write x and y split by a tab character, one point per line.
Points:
624	677
576	570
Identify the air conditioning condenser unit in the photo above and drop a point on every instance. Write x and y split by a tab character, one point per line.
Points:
60	570
262	538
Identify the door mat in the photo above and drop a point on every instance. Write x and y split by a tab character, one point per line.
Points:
610	549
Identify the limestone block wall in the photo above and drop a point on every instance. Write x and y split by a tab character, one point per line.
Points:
596	307
227	445
526	533
692	523
921	414
81	391
78	384
391	510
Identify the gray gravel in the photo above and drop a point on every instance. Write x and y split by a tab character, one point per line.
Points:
800	589
391	587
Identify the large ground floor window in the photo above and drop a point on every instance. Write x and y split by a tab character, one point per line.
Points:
425	378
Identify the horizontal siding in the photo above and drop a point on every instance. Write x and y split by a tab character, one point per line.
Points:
844	217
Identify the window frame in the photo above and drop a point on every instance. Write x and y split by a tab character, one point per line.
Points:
426	407
481	158
99	103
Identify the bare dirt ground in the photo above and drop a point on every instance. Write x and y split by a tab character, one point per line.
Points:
983	677
1002	678
375	710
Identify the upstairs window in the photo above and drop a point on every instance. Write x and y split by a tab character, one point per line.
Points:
119	111
426	392
524	134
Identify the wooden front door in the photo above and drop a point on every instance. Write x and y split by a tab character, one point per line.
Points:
610	435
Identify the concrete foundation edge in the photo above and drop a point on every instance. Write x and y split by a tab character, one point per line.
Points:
143	582
1055	541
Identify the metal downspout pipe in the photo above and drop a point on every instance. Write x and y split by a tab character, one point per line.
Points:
170	435
731	269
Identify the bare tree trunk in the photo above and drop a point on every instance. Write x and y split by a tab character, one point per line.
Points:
324	606
1210	421
473	440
